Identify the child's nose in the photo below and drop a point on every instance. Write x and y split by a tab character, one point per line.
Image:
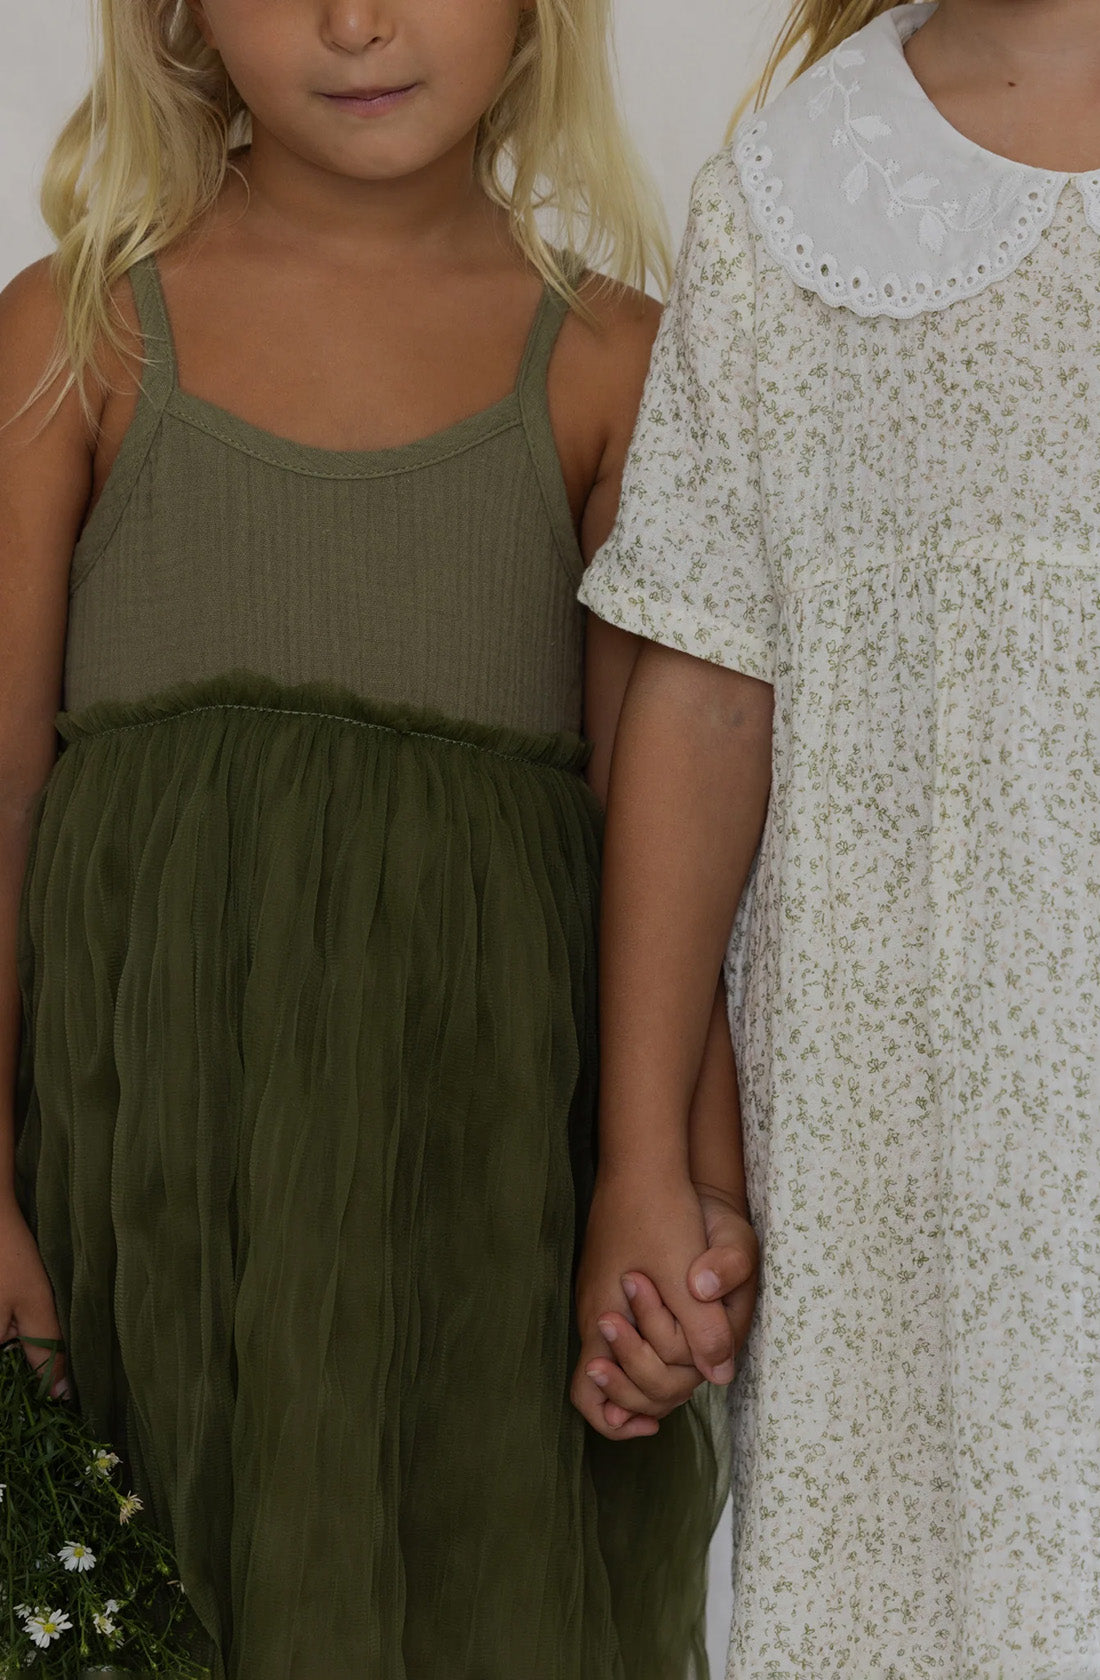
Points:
353	25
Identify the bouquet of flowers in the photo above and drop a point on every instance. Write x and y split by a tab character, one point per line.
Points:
86	1586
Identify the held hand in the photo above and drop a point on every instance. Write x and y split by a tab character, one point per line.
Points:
655	1228
654	1366
649	1370
26	1299
729	1271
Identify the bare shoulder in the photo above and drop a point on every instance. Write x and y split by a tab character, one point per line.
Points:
614	344
37	414
32	327
45	478
599	370
595	389
32	297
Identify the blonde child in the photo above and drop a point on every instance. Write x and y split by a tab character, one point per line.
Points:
291	528
861	532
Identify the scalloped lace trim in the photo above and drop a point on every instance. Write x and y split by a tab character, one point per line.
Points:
979	236
1089	188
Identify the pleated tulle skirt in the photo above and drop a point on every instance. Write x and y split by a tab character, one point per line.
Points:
308	1112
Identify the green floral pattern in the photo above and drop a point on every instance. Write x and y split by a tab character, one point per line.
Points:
897	522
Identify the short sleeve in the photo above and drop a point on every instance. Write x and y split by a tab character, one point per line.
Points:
686	564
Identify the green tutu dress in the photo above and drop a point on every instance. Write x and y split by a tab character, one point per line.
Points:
309	1054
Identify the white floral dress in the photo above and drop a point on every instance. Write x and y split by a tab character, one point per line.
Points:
868	472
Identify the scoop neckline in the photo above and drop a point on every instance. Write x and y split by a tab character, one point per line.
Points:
262	444
904	30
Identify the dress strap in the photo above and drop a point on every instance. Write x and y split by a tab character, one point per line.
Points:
541	340
535	412
158	381
160	376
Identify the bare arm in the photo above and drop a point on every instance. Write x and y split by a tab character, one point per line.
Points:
727	1268
611	655
45	481
691	783
689	794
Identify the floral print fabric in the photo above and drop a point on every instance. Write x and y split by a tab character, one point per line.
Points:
897	522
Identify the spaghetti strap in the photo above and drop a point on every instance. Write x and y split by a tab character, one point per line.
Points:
160	377
548	322
538	430
158	382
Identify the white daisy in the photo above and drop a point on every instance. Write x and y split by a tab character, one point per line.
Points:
78	1557
104	1624
103	1463
46	1625
128	1506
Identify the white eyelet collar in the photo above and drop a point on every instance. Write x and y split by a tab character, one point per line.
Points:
869	197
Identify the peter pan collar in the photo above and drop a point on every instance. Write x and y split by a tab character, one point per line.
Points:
869	197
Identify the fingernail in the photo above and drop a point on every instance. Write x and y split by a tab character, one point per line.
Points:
598	1378
630	1288
723	1373
608	1332
708	1284
60	1390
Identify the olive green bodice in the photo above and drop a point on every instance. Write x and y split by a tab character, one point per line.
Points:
438	575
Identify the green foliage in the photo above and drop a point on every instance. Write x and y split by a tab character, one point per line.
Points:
75	1550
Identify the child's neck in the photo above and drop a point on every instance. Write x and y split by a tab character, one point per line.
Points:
296	204
1020	77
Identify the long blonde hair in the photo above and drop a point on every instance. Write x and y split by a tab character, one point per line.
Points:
147	152
813	28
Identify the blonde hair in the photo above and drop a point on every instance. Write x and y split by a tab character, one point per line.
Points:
146	154
813	28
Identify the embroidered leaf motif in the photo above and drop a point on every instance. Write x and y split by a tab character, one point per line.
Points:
931	231
856	183
871	128
820	102
919	186
847	57
977	207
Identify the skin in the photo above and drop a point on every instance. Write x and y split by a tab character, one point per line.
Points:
427	306
690	783
1019	77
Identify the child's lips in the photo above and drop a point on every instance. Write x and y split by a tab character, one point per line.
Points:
368	101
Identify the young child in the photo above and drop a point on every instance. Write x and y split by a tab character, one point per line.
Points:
292	528
861	527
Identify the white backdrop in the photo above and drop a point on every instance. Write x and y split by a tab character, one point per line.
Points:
683	69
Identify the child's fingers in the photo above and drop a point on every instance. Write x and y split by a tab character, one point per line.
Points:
616	1386
662	1385
656	1324
613	1422
633	1427
740	1310
616	1416
681	1382
723	1269
590	1400
727	1272
668	1384
710	1338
